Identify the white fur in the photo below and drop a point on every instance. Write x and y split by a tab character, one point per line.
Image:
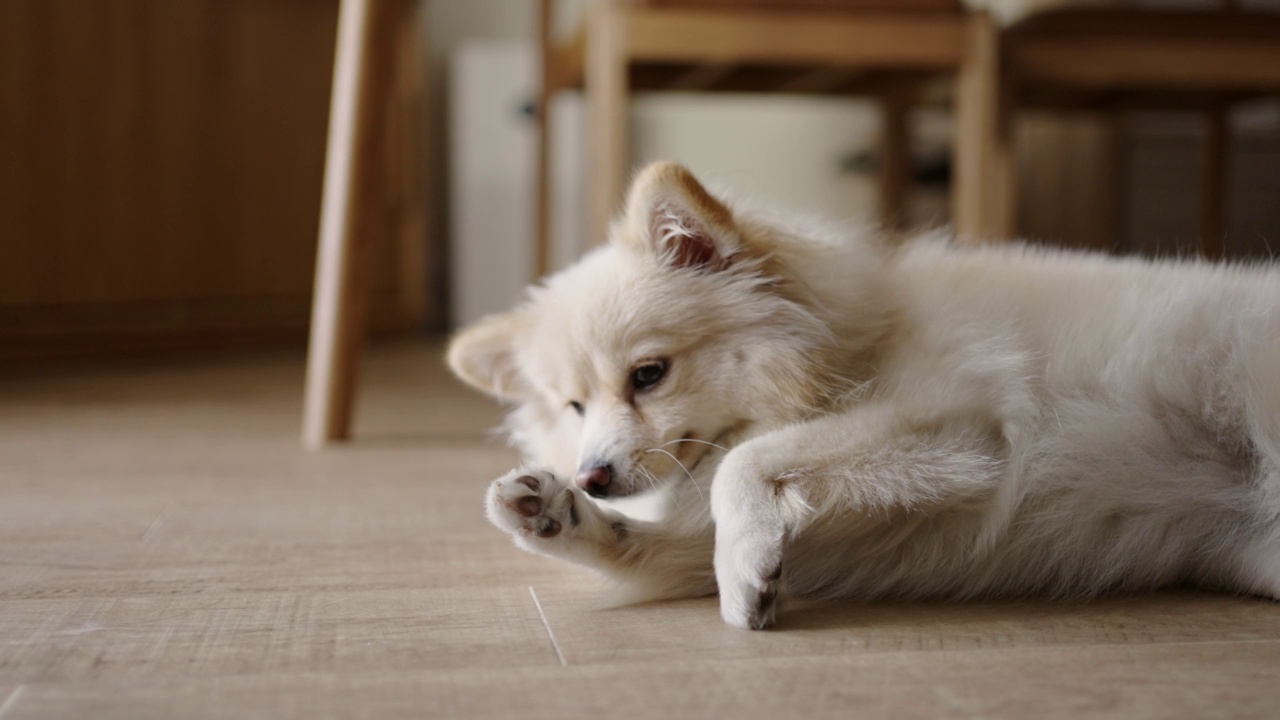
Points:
922	421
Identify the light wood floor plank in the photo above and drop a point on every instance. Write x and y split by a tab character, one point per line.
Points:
9	697
1161	682
167	550
132	639
590	632
62	571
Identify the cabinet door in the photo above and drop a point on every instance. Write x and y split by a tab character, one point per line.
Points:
160	172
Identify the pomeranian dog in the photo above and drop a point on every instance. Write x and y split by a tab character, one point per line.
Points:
826	416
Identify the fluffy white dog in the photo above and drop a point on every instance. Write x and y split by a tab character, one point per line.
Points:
831	417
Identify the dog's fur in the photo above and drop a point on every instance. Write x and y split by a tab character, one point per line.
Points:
853	420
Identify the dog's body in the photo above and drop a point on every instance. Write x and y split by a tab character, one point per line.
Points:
863	421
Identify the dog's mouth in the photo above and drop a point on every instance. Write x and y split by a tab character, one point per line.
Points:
686	465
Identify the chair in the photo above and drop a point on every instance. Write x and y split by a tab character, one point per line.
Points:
882	48
822	46
1107	59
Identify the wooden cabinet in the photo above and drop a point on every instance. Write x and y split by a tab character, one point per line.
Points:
160	175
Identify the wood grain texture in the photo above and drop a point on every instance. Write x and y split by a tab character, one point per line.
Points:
353	184
983	198
895	158
1214	175
245	633
1222	66
161	178
1071	176
1205	680
590	632
1092	56
169	551
831	5
868	40
608	109
1111	59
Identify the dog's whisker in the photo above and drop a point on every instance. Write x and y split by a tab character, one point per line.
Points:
695	440
682	467
648	477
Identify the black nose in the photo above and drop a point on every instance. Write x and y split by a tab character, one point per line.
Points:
595	480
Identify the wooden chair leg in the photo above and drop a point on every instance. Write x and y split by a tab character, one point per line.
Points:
1111	188
361	69
542	196
542	152
606	85
983	192
1213	191
895	160
1002	194
404	151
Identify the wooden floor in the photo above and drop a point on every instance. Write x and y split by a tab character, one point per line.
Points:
168	551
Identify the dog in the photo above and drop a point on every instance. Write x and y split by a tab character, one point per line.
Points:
816	413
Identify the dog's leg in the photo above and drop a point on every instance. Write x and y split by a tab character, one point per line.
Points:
770	488
548	516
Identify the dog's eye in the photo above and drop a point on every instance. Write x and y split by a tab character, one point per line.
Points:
648	375
577	406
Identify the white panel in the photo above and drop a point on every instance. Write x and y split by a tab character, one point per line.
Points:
781	151
490	178
569	238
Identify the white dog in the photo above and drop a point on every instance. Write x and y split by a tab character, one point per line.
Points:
831	417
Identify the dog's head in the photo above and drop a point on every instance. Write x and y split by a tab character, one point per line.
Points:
685	332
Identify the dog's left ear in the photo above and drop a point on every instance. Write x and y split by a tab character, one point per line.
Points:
483	355
669	212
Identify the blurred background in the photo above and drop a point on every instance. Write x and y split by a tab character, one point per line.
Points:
207	206
162	161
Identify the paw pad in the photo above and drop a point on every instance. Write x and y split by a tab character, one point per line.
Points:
549	527
531	505
528	506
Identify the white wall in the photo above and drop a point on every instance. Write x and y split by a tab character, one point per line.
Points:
490	158
780	149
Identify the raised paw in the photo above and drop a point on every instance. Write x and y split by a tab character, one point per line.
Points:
531	503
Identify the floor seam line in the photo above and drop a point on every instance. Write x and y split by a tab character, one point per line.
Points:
547	626
155	523
11	701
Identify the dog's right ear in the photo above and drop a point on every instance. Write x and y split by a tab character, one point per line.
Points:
483	355
670	213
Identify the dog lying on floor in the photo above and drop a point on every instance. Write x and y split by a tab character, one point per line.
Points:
826	416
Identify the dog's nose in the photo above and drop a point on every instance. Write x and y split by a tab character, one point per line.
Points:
595	480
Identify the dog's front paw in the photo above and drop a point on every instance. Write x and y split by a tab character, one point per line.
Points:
531	504
751	602
749	575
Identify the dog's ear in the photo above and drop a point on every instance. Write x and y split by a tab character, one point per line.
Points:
483	355
669	212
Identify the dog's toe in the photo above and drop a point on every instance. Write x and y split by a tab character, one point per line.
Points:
766	609
765	613
752	605
528	506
